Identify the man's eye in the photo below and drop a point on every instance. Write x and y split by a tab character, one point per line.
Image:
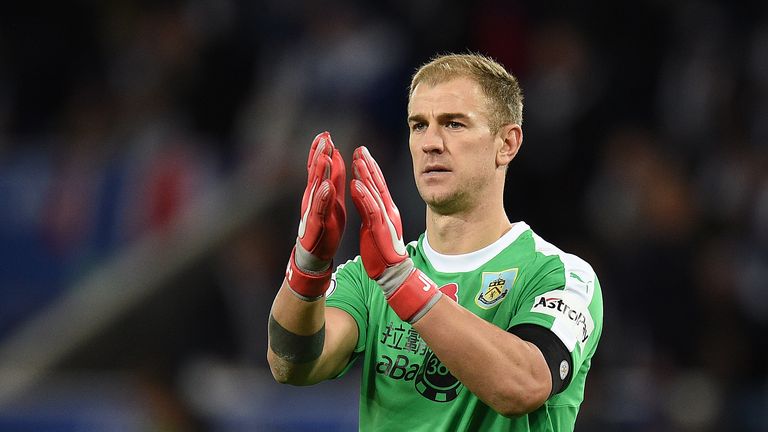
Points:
454	125
418	126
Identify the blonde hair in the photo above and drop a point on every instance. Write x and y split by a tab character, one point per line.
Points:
505	98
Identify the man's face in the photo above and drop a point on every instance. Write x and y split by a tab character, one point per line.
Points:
453	149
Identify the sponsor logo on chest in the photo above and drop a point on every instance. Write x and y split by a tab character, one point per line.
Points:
404	356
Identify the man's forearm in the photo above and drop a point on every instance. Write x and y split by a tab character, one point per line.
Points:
296	336
293	347
519	381
299	351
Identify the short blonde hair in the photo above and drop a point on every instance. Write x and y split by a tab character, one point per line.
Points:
505	98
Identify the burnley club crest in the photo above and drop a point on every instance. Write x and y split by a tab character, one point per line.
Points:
495	288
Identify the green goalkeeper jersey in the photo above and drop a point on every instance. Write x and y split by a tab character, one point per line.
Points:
519	279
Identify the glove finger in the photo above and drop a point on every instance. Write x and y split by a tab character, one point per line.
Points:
373	167
323	198
364	202
328	228
320	171
321	144
370	250
315	222
322	168
379	186
338	176
363	175
376	174
360	171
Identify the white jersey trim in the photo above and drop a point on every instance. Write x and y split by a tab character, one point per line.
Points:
576	327
473	260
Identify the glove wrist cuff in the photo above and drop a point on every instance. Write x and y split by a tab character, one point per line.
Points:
414	297
393	277
307	262
308	286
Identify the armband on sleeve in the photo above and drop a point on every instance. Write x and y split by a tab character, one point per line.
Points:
555	353
293	347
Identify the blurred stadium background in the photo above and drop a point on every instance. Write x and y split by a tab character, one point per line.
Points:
151	167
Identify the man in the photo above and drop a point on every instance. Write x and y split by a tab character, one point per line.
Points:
478	325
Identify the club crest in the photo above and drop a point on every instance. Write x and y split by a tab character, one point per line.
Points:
495	288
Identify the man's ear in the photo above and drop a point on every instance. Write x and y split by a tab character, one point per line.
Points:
511	136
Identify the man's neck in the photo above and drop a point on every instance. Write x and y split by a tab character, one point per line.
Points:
466	232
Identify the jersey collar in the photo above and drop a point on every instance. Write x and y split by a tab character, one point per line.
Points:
473	260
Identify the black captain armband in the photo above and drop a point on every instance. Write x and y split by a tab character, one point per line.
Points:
293	347
555	353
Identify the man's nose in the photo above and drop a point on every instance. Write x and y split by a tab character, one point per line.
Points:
433	140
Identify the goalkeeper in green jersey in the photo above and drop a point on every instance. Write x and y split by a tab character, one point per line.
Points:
478	325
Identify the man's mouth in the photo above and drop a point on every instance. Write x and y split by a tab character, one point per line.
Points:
436	169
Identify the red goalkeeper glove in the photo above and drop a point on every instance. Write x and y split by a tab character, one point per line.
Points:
409	292
322	221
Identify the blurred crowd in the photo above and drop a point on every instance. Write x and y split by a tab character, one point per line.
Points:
645	152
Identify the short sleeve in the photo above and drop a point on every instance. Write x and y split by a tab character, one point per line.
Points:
349	292
560	298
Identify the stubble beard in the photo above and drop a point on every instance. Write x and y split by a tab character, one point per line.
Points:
445	206
450	202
